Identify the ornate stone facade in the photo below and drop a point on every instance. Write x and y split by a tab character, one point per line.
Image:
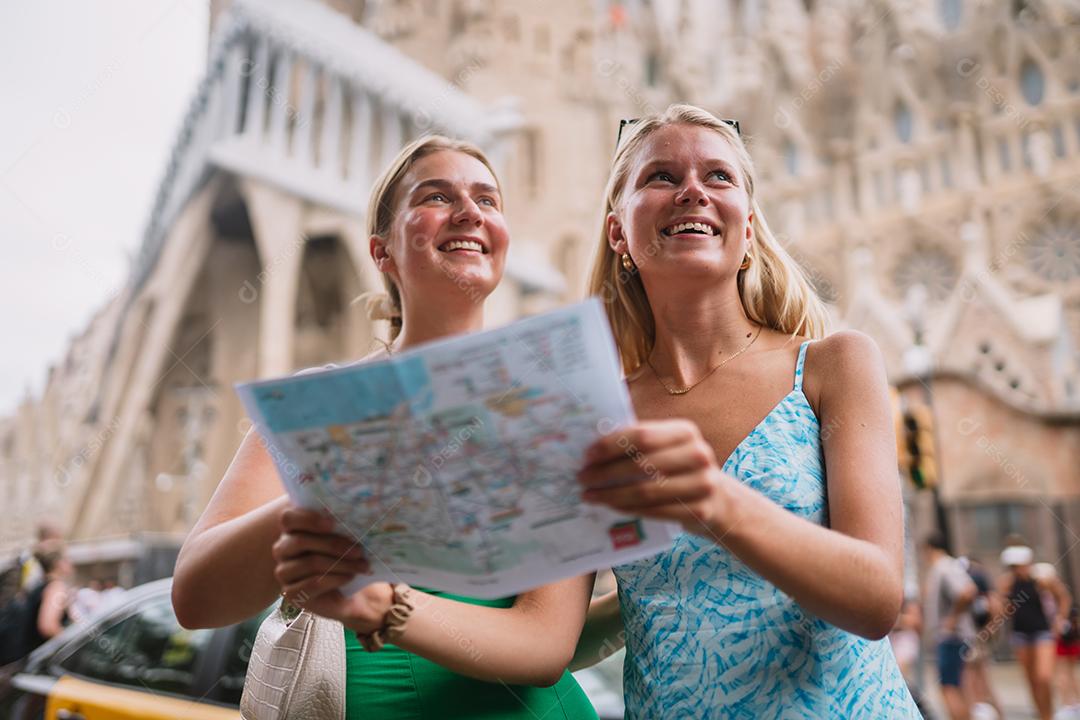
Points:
921	159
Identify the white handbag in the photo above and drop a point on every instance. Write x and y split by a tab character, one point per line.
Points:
297	668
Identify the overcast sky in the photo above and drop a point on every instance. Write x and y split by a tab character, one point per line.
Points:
93	94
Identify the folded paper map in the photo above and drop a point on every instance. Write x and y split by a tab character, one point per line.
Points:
454	463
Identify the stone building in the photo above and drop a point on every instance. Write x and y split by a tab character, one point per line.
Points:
921	160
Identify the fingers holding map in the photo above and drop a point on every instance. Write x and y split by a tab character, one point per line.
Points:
454	463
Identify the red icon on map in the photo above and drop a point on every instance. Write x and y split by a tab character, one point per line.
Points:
625	534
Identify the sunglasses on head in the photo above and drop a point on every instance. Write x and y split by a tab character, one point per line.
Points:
627	122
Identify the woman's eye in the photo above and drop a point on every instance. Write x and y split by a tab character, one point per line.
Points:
721	175
487	201
437	197
662	176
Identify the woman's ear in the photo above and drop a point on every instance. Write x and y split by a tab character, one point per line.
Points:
749	229
380	253
615	237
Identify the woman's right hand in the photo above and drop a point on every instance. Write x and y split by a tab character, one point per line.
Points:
311	561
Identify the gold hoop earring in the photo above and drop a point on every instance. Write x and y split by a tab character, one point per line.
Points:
745	262
628	263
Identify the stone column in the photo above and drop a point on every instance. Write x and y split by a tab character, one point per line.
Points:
276	221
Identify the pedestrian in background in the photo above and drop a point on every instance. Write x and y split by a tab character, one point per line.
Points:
985	608
1034	630
946	609
1068	651
35	596
905	639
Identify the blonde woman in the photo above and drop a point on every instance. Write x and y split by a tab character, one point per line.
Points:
438	234
771	444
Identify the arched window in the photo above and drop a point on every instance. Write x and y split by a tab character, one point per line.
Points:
1032	82
903	121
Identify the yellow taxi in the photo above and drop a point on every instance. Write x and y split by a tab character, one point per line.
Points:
133	660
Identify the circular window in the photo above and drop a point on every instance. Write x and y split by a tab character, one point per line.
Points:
933	267
1032	82
903	122
1054	252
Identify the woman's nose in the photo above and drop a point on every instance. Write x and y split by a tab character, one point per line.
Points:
468	213
691	193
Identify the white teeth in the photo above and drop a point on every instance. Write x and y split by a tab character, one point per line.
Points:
682	227
462	245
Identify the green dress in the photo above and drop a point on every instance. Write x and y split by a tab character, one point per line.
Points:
394	684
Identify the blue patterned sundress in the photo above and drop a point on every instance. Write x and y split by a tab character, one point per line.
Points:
706	637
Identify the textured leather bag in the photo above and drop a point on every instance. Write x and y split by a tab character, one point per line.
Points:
297	668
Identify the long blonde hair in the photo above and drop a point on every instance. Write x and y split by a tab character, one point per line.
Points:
773	290
382	208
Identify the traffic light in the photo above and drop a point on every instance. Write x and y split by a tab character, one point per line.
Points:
902	455
918	455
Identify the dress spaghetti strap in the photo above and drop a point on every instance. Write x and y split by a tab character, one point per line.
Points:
799	365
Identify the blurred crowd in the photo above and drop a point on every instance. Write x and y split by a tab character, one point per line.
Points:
966	618
38	596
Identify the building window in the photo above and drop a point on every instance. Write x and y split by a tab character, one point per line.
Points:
543	39
511	28
652	69
791	157
930	266
1058	134
1032	82
1053	252
1004	156
457	20
879	188
984	527
951	12
946	171
532	162
903	122
1025	150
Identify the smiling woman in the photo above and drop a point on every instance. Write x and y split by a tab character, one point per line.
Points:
438	235
775	600
420	253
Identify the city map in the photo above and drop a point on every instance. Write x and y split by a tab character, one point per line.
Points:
454	463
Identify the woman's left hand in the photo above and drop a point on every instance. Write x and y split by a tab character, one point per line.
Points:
313	563
661	469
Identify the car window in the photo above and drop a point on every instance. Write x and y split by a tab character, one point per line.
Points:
231	685
147	650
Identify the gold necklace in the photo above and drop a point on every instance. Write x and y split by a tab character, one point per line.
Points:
683	391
